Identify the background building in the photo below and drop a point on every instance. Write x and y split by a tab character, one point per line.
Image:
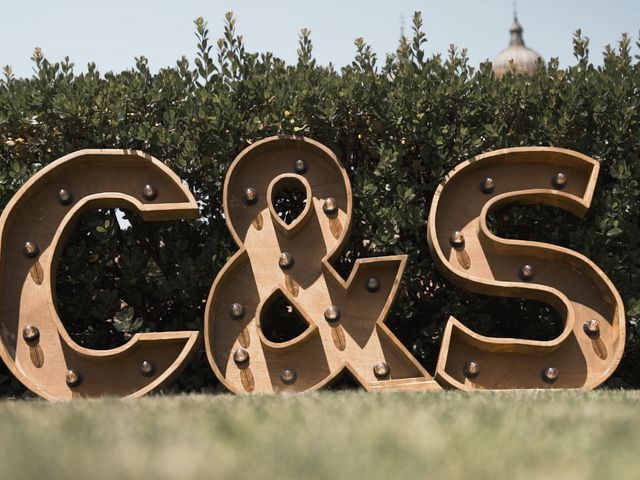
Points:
516	56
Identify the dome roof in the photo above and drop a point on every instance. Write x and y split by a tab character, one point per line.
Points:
516	55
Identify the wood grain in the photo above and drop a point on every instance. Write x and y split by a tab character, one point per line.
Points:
253	278
96	179
566	280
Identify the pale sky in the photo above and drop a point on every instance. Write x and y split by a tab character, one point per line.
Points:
112	32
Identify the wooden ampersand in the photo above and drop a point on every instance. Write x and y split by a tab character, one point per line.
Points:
33	228
471	256
344	319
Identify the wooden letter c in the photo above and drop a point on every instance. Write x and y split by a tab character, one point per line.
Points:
33	227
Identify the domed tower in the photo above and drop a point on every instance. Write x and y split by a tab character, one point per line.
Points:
516	56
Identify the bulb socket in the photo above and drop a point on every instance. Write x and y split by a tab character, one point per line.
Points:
285	261
372	284
147	368
300	166
31	334
559	180
250	196
592	327
527	273
65	197
332	314
456	240
330	206
241	357
488	185
381	370
149	192
73	378
550	375
236	310
288	376
31	249
471	369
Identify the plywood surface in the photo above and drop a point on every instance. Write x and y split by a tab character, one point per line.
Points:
591	344
33	341
358	341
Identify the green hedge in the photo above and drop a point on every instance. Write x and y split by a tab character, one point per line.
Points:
399	125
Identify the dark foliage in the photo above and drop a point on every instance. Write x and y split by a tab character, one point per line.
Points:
398	127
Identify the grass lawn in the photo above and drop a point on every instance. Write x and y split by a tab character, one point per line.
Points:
326	435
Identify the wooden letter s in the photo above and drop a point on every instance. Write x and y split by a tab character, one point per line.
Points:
471	256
